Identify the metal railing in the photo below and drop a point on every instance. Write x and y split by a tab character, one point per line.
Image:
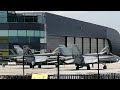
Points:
67	76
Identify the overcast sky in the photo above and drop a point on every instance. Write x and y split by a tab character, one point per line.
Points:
106	18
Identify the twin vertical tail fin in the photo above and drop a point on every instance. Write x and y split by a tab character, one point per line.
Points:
77	55
105	50
65	51
18	49
73	51
28	55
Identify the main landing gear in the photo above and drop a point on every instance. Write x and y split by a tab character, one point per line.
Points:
39	66
88	67
104	67
56	65
77	67
31	66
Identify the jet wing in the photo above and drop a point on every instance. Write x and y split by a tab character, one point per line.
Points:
45	58
5	59
44	54
52	62
41	58
90	60
69	61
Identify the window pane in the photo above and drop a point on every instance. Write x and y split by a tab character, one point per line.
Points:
41	19
3	14
35	18
42	40
3	32
42	33
30	33
12	32
3	20
3	39
3	46
21	32
36	40
30	39
21	39
13	39
20	18
4	49
37	33
11	12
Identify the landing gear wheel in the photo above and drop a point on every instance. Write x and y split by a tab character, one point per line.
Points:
88	67
3	65
77	67
104	67
33	66
30	66
56	65
39	66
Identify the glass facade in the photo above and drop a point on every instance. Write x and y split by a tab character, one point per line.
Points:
3	32
3	16
21	18
13	33
35	38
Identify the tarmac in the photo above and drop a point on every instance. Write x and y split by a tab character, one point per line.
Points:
64	69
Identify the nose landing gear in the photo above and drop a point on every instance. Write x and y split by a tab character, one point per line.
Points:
104	67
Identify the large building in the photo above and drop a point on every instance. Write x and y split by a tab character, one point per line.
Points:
44	32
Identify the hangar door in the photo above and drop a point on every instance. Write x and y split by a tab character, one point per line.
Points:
70	41
86	45
100	44
78	42
93	45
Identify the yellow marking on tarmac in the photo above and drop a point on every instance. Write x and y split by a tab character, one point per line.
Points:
39	76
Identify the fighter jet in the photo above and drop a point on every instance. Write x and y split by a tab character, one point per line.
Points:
34	59
72	55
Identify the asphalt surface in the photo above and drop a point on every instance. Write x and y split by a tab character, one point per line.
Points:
64	69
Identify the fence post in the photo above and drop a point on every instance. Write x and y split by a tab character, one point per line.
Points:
23	66
58	65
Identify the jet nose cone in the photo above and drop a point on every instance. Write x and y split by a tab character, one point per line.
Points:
118	59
